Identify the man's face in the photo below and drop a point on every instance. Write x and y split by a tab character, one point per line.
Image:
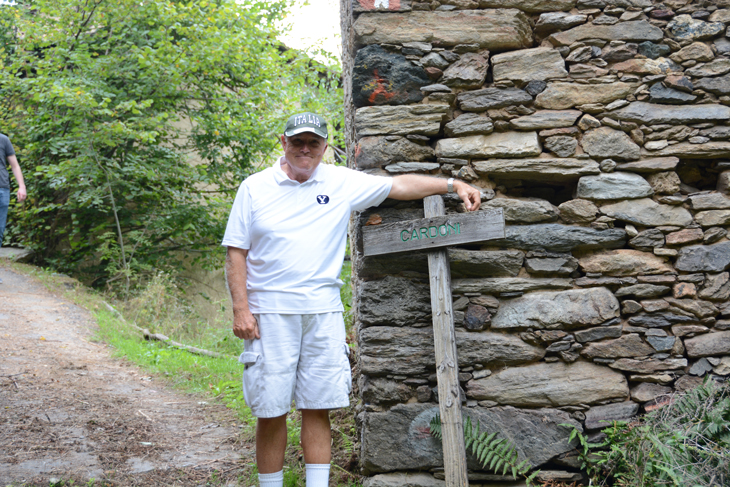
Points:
303	151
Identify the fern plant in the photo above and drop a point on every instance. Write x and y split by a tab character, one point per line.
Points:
492	452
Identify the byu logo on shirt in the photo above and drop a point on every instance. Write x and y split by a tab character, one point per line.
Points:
323	199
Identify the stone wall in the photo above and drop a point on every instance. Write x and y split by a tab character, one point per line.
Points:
602	129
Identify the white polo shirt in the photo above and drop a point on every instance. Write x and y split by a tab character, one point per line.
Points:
296	234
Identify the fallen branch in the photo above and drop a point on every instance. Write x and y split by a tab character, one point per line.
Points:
162	338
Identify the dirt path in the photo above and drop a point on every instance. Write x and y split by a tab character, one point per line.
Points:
68	410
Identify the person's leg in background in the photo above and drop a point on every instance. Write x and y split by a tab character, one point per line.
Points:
4	204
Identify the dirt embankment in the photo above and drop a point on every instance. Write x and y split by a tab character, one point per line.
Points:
69	411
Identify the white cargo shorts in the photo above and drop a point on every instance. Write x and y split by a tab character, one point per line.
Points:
298	357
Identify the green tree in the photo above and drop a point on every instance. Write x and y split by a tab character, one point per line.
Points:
136	120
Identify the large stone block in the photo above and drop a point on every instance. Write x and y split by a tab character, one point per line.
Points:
647	212
490	98
559	95
532	6
496	30
713	218
624	262
708	345
372	152
699	308
500	144
411	167
584	4
400	120
550	264
469	124
560	238
608	143
554	384
686	150
600	417
661	94
378	390
488	348
507	285
613	186
546	119
719	85
524	210
578	211
400	438
649	166
394	301
714	68
468	72
716	287
552	21
485	263
652	114
401	351
626	346
657	320
598	333
549	169
540	63
685	28
563	310
711	201
632	31
704	258
646	67
380	77
646	392
403	479
648	366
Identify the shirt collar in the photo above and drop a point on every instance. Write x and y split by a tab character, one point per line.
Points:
281	177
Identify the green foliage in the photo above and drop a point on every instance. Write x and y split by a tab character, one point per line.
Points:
346	292
685	443
136	121
492	452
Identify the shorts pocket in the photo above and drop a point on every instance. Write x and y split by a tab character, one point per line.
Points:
346	370
249	359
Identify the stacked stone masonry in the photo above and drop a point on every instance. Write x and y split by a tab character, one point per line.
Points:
602	129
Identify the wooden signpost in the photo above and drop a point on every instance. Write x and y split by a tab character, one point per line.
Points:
437	231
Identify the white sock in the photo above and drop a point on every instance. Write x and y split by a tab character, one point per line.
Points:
318	475
275	479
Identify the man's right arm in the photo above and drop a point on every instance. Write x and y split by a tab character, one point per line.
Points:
13	161
245	325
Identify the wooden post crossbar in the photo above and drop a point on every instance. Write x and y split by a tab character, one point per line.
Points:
437	231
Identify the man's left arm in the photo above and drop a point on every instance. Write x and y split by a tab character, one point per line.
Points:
13	161
414	187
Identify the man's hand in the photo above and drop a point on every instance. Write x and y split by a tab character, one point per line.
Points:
245	325
22	194
471	196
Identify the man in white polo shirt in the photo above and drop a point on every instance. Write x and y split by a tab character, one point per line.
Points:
286	239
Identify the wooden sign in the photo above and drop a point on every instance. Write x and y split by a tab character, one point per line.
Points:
433	233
